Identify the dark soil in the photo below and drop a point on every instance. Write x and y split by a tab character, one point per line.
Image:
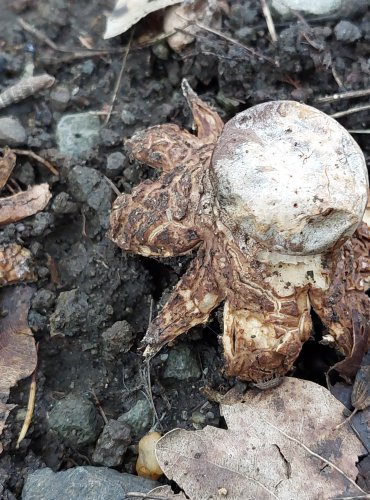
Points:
101	285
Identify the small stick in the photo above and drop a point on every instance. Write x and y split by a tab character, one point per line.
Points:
250	51
351	94
25	88
37	33
31	154
30	408
97	402
113	186
359	131
119	79
350	111
269	21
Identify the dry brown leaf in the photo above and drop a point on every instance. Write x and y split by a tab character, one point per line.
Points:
17	346
15	264
7	163
24	204
280	443
126	13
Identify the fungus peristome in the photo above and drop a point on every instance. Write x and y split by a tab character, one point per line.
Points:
271	205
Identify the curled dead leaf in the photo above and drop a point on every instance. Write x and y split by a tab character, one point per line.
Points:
24	204
17	346
280	443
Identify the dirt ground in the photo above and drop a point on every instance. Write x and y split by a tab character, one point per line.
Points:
86	284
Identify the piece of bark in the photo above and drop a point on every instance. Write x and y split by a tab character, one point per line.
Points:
21	205
7	163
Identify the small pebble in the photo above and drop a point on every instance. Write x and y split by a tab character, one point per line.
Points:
139	417
112	444
12	132
117	340
115	162
128	117
347	32
75	419
60	97
182	364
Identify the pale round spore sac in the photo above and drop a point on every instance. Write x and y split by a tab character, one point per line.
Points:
290	177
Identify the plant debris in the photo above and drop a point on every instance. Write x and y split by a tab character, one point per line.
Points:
287	448
23	204
17	347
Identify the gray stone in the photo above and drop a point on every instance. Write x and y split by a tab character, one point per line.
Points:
347	32
77	134
43	300
313	7
109	137
117	340
139	417
115	162
181	364
63	205
161	50
25	174
70	313
42	221
112	444
83	483
88	186
60	97
75	420
128	117
12	132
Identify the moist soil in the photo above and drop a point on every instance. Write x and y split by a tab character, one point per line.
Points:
85	283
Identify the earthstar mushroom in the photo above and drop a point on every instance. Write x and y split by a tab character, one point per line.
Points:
271	205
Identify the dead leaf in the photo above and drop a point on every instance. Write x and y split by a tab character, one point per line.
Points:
126	13
7	163
15	264
280	443
24	204
17	346
182	20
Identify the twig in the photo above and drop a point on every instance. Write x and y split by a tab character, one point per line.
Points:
31	154
143	496
351	94
101	411
250	51
350	111
25	88
113	186
359	131
30	408
38	34
119	79
269	21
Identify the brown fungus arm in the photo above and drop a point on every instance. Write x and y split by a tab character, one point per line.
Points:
189	305
207	122
346	292
156	219
165	147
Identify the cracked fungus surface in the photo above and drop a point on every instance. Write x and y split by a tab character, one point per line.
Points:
267	258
